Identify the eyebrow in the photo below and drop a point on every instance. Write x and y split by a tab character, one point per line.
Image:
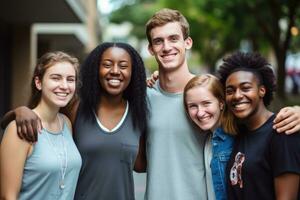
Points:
242	83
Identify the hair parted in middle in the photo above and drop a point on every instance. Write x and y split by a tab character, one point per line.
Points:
251	62
213	85
46	61
165	16
135	93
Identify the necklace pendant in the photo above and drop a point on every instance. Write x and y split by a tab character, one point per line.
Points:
62	185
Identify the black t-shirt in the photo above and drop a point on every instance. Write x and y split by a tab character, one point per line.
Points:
259	156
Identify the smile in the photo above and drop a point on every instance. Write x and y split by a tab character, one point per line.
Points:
240	105
114	82
168	56
61	94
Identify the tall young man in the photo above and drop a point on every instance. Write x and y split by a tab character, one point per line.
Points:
174	149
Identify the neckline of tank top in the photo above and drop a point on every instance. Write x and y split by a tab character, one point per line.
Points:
61	127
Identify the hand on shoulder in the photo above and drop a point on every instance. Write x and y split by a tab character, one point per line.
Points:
287	120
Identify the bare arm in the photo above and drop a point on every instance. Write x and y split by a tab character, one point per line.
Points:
141	161
27	122
288	120
13	154
286	186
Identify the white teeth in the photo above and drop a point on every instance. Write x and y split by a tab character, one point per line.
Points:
114	82
240	105
61	94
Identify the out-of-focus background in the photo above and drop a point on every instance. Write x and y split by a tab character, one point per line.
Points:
30	28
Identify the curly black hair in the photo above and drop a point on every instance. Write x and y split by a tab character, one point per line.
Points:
91	90
254	63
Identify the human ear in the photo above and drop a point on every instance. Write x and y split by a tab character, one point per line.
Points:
188	42
221	104
150	49
38	83
262	91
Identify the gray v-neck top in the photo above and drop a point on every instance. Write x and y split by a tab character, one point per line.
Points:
107	159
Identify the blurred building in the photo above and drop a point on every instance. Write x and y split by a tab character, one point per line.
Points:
30	28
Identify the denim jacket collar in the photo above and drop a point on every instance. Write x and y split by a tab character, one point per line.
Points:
219	133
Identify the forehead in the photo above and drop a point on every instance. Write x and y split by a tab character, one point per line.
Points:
239	77
62	68
116	53
164	31
199	93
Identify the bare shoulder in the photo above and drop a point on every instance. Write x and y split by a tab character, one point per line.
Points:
67	121
11	138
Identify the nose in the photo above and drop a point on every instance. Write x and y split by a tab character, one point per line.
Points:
115	69
200	111
166	46
238	94
63	84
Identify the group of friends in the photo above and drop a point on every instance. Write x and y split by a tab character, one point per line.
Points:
196	136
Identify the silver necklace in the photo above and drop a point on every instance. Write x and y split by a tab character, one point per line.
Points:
63	159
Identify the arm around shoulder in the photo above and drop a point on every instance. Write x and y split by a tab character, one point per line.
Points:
13	154
288	120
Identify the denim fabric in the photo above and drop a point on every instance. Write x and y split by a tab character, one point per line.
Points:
222	145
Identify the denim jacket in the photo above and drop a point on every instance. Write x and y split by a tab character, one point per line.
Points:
222	145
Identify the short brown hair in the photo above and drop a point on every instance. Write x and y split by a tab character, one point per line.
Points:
165	16
213	84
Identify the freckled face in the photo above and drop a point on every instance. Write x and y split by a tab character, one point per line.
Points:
115	71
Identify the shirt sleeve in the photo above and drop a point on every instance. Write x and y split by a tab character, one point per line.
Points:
285	153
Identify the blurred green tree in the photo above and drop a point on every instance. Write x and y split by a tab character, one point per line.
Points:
220	26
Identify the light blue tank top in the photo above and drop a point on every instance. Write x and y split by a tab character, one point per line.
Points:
43	168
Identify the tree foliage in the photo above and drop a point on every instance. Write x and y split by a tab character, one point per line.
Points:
219	26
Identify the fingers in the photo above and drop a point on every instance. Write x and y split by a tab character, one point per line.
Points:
150	82
283	113
155	75
19	131
284	126
287	120
28	130
293	130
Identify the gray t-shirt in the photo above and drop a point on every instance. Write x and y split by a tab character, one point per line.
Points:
107	159
174	150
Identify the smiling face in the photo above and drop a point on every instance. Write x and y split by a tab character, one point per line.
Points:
203	108
115	71
58	84
169	46
244	94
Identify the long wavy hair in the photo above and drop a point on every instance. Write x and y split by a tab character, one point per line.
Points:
135	93
45	62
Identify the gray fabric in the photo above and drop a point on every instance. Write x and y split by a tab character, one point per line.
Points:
42	169
108	159
175	168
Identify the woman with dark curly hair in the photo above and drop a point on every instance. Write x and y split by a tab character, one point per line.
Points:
263	163
109	120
